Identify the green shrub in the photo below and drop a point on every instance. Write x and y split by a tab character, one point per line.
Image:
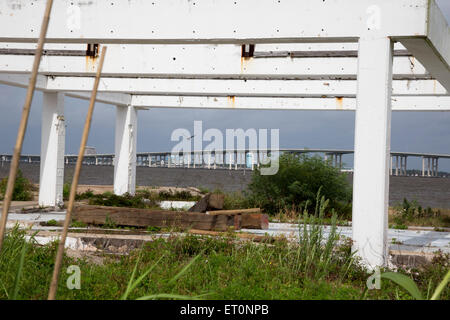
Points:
78	224
111	200
22	188
297	183
88	194
66	191
52	223
236	200
177	195
412	213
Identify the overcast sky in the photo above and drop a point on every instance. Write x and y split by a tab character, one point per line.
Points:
411	132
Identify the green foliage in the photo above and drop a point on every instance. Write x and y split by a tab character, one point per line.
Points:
109	223
399	227
153	229
79	196
127	200
203	190
22	188
52	223
297	182
412	213
22	265
405	282
215	268
411	287
236	200
142	199
78	224
66	191
88	194
177	195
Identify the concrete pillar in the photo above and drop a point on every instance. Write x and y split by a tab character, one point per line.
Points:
432	167
396	165
423	167
372	150
258	159
406	165
252	161
428	169
392	163
402	166
53	137
125	150
437	167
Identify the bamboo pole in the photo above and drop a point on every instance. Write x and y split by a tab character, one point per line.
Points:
24	122
73	190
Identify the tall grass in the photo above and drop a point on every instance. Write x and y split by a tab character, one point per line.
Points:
318	266
12	260
315	251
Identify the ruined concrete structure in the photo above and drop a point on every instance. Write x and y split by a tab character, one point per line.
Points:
372	57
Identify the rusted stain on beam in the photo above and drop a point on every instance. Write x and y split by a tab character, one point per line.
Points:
91	54
232	101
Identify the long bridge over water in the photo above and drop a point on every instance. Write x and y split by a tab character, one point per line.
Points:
243	159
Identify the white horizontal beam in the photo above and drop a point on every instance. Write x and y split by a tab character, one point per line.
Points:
201	61
405	103
334	104
215	87
20	80
206	21
117	99
434	51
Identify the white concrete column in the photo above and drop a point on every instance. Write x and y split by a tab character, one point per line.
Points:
396	165
53	138
391	166
433	167
423	167
406	165
437	167
372	150
125	150
402	166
